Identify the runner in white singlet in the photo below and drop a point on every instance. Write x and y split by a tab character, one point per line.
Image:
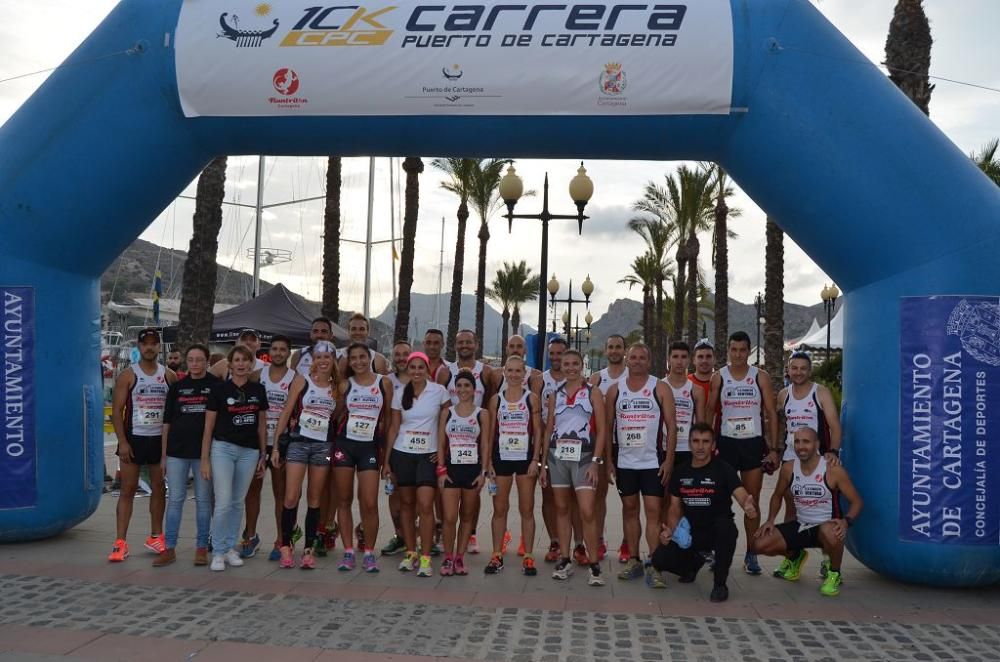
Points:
615	372
545	384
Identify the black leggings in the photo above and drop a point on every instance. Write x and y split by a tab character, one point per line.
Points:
720	536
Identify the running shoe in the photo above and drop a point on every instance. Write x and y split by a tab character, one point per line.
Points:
156	544
750	565
119	551
275	554
410	562
425	569
308	561
233	558
287	559
632	570
709	558
528	567
447	568
494	566
249	547
218	563
719	593
795	567
473	544
780	571
359	537
460	567
580	555
368	563
395	545
321	544
520	548
437	549
623	553
654	578
563	570
347	563
602	549
596	578
296	534
831	584
552	555
824	567
505	543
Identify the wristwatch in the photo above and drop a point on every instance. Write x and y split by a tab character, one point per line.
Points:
599	461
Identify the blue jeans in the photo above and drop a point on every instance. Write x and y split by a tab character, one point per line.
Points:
233	468
177	474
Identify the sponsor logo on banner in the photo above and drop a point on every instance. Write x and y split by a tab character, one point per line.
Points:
949	474
340	26
250	37
18	479
451	95
286	83
613	80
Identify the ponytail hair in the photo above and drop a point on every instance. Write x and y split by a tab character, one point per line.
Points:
408	396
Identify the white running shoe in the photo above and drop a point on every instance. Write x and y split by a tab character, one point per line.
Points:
218	563
233	558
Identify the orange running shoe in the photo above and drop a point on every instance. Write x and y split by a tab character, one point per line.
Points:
119	552
506	542
528	567
520	548
552	555
623	553
156	544
580	555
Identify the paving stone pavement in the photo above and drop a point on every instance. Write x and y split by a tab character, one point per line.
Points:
461	631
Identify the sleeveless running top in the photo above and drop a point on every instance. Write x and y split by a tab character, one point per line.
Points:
815	502
305	361
513	428
317	408
477	372
638	426
364	407
607	380
804	413
148	398
573	432
277	398
433	376
462	437
706	386
740	403
683	413
549	386
397	383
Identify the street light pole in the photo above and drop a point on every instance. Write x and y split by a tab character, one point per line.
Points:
587	288
829	294
581	189
758	303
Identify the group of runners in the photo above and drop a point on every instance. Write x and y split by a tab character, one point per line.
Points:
433	434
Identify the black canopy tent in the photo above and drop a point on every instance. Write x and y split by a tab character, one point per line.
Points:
276	311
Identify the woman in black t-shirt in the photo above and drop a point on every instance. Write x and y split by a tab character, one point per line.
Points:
232	451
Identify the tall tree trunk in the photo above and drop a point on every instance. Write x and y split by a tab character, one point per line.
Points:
484	238
680	290
515	321
200	270
331	241
774	304
413	166
721	278
659	340
647	316
504	335
692	250
457	273
908	52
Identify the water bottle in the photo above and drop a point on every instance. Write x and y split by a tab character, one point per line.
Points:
491	487
389	487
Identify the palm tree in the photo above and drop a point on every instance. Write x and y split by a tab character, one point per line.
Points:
512	285
649	270
200	269
459	182
988	160
774	303
695	213
413	166
658	234
908	52
331	240
721	234
526	289
485	198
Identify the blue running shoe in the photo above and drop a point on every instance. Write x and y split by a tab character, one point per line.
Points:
750	564
249	547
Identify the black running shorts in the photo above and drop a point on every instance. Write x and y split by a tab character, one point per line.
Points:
796	539
413	469
360	455
742	454
633	481
145	450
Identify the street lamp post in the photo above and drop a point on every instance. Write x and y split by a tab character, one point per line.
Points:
829	294
587	288
758	303
577	335
581	189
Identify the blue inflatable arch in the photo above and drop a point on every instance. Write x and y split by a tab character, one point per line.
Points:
854	173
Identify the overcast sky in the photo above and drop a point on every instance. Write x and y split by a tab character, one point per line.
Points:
965	48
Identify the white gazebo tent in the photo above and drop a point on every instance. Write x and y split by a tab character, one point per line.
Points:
813	328
817	339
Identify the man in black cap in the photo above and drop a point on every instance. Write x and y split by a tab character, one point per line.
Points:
250	339
139	399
